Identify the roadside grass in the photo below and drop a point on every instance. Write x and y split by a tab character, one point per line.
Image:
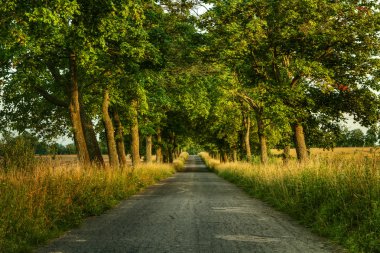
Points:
38	205
336	196
179	163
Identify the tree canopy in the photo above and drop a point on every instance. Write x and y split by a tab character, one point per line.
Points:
154	76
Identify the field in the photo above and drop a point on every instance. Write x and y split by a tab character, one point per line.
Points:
40	204
336	194
340	151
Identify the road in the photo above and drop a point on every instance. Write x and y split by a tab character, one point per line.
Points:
193	211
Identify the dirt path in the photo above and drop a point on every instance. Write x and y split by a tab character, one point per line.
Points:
194	211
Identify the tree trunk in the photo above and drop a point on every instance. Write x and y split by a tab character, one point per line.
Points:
91	141
225	157
159	158
135	134
286	155
299	139
171	148
74	108
262	139
110	131
263	149
119	138
234	155
148	149
247	138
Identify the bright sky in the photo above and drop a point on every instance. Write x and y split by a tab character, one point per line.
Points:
351	124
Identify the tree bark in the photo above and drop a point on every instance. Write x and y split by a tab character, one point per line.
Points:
91	141
74	108
119	138
135	134
299	139
234	155
247	138
262	139
172	146
286	155
159	158
110	131
225	157
149	149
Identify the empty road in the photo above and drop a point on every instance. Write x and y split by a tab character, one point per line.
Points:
193	211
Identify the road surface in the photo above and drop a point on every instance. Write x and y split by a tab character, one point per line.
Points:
193	211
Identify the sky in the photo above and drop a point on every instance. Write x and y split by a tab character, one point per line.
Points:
351	124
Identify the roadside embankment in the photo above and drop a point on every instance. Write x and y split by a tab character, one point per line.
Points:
179	163
39	205
337	197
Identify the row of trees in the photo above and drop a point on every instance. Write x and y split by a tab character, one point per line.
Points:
357	138
297	66
84	67
238	79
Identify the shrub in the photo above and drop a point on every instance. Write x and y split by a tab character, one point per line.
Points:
179	163
210	163
17	153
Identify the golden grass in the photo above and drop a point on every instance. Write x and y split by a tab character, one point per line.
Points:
179	163
59	160
336	195
40	204
339	151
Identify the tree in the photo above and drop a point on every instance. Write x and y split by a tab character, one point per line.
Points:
356	138
288	46
372	136
74	58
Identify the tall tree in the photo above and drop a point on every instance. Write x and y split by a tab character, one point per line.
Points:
110	130
285	45
82	35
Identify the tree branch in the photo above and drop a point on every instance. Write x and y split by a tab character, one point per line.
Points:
295	81
50	98
249	100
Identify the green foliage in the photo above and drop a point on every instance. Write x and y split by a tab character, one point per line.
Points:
356	137
293	59
197	80
372	136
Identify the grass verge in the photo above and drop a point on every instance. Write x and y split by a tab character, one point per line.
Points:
179	163
337	197
39	205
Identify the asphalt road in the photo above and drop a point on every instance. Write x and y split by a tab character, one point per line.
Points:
194	211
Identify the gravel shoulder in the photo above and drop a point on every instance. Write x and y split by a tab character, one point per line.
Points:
193	211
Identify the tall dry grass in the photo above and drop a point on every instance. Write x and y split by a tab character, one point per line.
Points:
179	163
337	196
38	205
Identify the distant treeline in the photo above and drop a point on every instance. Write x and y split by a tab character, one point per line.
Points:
40	147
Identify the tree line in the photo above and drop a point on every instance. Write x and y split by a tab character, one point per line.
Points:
240	78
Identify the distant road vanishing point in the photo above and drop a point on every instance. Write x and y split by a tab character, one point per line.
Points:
193	211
